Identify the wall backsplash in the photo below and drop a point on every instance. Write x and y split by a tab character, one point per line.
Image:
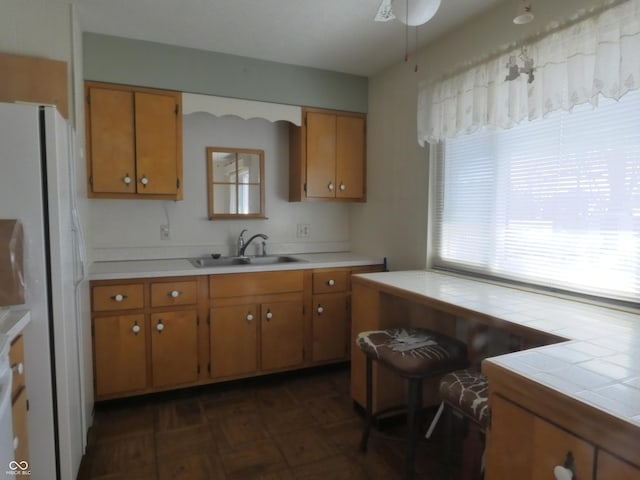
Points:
130	229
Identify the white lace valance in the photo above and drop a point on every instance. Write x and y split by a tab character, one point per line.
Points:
596	54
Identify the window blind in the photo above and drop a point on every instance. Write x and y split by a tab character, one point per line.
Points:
553	202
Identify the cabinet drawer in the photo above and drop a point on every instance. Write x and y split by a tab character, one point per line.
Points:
174	293
260	283
19	419
330	281
117	297
16	360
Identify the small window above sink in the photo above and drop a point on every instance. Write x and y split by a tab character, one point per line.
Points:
235	183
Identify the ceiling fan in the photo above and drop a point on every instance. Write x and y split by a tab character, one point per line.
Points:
410	12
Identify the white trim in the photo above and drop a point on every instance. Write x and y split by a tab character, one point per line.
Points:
219	106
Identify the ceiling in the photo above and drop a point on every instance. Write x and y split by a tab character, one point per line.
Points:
337	35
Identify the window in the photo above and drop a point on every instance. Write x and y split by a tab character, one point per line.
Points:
553	202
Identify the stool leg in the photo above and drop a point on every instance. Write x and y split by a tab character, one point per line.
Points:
415	404
448	440
369	406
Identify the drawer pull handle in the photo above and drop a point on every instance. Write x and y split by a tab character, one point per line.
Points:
175	293
160	326
331	282
249	317
566	471
118	297
17	368
136	328
320	310
269	315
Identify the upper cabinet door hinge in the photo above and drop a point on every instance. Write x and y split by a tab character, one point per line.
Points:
88	98
305	187
177	183
91	180
198	322
177	109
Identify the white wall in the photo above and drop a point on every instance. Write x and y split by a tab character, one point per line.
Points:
393	222
122	229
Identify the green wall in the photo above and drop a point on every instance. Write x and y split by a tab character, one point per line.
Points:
136	62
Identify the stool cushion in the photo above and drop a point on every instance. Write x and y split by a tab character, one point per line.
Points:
413	352
468	392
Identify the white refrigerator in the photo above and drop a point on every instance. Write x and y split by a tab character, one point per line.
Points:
37	186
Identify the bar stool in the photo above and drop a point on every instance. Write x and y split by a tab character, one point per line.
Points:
414	354
467	393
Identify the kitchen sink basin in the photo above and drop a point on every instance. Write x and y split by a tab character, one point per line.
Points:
211	261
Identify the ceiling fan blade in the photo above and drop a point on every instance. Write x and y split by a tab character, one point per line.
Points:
384	12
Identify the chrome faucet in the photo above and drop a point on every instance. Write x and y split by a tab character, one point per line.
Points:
242	245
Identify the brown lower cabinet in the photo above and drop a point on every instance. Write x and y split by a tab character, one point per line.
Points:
163	333
535	433
19	401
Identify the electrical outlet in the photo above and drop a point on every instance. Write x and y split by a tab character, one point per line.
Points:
165	234
303	230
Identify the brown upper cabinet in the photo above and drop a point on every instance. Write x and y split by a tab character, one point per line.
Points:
134	142
327	157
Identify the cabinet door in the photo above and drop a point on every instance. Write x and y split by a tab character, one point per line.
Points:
156	143
234	340
524	446
281	335
350	157
20	427
119	346
321	155
612	468
330	327
112	141
174	348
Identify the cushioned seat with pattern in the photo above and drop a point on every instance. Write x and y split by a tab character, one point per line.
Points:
414	354
468	392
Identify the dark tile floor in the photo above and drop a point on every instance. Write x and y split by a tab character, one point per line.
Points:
295	426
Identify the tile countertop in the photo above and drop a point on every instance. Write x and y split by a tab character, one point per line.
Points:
179	267
598	365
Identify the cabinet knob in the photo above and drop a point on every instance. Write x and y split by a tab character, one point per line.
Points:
269	315
144	180
331	282
136	328
330	187
118	297
174	293
566	471
320	309
160	326
16	443
17	368
249	317
126	179
342	187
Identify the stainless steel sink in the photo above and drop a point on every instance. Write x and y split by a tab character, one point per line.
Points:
209	261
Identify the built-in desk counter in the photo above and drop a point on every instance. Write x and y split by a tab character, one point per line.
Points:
587	381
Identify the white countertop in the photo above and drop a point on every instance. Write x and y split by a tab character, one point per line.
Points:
118	270
599	364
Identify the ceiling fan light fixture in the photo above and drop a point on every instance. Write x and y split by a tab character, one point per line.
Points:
524	14
415	12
